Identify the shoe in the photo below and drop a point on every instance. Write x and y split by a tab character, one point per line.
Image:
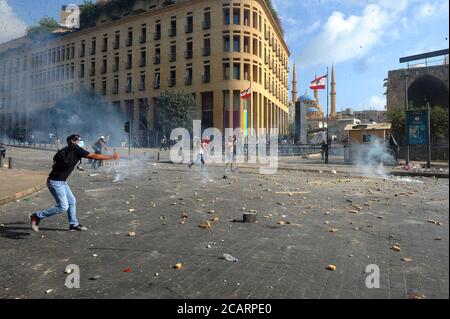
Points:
34	222
77	227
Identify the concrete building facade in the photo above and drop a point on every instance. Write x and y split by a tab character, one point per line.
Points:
212	49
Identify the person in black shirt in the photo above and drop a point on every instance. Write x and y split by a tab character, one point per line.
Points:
64	163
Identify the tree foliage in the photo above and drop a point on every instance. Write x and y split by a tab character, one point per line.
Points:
175	109
44	29
438	122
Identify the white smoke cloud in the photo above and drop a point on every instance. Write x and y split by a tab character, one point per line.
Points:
10	25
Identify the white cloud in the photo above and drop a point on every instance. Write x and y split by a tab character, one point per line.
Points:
374	103
10	25
352	37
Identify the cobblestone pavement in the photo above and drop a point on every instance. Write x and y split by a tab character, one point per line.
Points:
306	221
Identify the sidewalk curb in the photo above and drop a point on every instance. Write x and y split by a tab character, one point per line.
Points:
22	194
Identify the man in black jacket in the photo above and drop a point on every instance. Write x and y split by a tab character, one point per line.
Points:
64	163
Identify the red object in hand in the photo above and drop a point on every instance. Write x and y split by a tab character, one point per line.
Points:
127	270
116	156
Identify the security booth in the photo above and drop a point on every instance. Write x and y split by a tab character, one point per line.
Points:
368	144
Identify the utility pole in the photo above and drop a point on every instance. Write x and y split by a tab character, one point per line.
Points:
328	116
406	124
429	135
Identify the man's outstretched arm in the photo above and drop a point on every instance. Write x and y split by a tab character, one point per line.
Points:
103	157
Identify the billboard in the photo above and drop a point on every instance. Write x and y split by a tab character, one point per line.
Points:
418	127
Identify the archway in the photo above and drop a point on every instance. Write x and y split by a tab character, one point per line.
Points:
425	89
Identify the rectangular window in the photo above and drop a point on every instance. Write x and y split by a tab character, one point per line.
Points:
189	50
143	60
173	78
236	16
157	82
116	86
226	43
173	53
142	83
157	35
247	17
226	16
129	85
206	20
188	76
206	76
226	71
236	71
236	43
143	37
129	61
247	44
189	24
130	39
206	47
157	59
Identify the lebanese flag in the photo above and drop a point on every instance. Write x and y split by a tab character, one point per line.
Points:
245	94
319	83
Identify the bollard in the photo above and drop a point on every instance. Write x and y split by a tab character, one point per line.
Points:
10	163
158	156
250	218
1	162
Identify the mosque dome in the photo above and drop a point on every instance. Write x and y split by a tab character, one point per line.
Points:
306	98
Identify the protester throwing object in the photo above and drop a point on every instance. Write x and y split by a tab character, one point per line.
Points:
64	163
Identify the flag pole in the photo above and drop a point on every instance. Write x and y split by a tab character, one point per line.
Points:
251	108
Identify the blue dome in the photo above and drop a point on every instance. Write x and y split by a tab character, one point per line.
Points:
306	98
311	109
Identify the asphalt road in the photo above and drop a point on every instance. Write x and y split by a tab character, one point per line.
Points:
306	222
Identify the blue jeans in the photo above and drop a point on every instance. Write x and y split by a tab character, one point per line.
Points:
65	202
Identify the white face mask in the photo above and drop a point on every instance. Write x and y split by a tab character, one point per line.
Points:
80	144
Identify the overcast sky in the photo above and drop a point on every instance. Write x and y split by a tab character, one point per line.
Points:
364	38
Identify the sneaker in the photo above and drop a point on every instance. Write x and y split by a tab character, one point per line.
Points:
77	227
34	222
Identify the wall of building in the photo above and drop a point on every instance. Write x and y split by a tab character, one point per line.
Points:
33	77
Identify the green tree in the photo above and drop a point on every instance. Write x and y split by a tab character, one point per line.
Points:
175	109
397	117
44	29
439	123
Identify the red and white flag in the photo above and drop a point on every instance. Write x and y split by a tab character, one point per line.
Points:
245	94
319	83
